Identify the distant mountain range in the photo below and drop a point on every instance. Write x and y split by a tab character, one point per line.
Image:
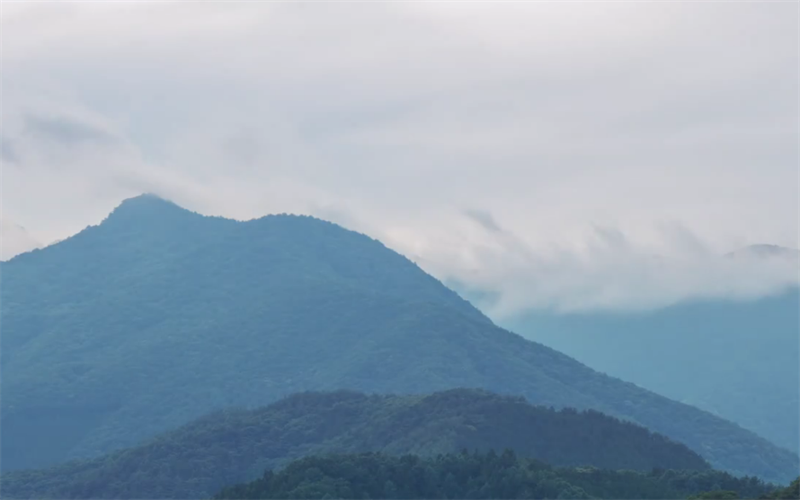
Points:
227	447
737	359
159	315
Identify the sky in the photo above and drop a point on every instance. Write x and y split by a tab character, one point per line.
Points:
573	155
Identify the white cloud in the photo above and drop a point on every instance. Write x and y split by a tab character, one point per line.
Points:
15	239
608	271
399	118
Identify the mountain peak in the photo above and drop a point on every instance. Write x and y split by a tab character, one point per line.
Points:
146	200
146	207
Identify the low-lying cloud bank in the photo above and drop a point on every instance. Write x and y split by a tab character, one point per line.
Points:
505	276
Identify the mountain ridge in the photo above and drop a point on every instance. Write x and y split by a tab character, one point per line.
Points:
486	476
234	445
206	312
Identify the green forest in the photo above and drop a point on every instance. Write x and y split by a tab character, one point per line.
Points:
233	446
484	476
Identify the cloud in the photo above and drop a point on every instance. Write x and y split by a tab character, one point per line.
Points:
484	219
66	131
426	125
7	153
15	239
611	271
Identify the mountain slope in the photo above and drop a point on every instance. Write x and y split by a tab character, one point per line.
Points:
739	360
221	449
477	476
791	492
159	315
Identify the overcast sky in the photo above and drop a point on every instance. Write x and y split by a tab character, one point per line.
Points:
549	151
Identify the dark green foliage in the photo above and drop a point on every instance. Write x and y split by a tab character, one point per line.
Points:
791	492
474	475
716	495
159	315
234	446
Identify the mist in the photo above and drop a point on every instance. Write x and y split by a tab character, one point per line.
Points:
567	156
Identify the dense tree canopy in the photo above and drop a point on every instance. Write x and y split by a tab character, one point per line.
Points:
791	492
236	445
477	476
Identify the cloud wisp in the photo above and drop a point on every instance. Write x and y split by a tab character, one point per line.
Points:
609	271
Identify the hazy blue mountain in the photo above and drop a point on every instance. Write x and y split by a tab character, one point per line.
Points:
231	446
159	315
737	359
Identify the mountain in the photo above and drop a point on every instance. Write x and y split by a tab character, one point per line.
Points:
159	315
736	359
232	446
478	476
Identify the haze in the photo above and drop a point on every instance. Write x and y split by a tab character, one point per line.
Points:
570	155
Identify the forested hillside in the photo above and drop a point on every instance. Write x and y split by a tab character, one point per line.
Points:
159	315
791	492
465	475
237	445
706	353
